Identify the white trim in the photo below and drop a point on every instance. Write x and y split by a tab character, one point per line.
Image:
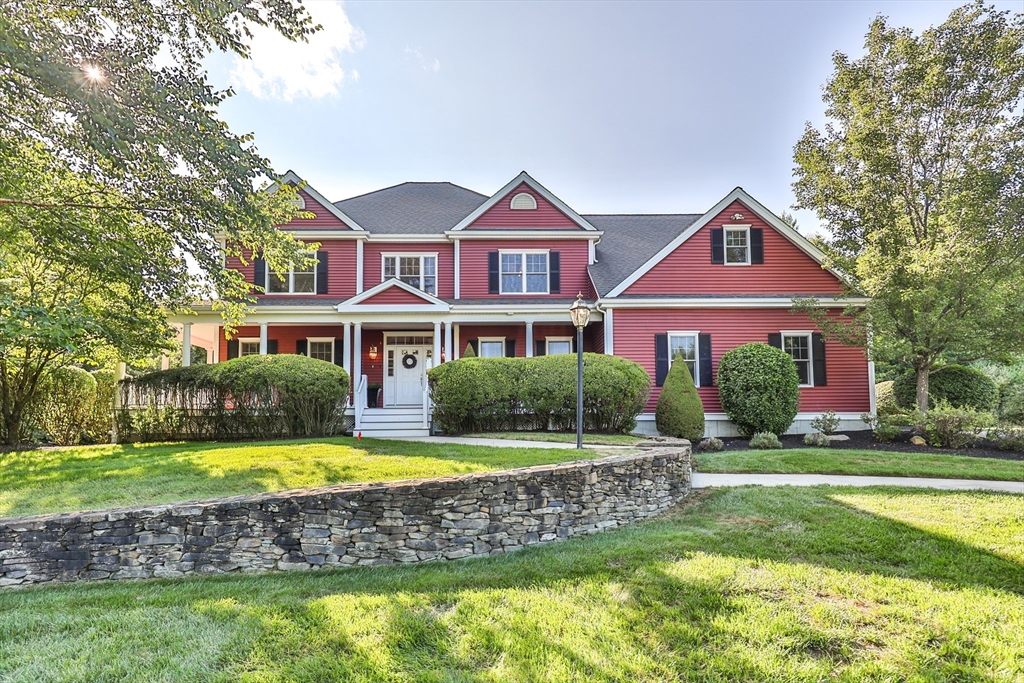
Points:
728	302
548	340
359	267
292	177
531	204
696	351
523	177
384	255
352	305
324	234
726	229
609	333
480	343
524	253
591	252
809	334
409	238
513	234
458	270
529	339
321	340
248	340
872	396
738	194
291	281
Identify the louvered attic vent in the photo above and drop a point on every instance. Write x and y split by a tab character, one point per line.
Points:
524	201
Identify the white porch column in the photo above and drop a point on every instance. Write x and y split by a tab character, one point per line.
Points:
609	334
119	373
448	341
186	345
455	343
437	343
263	339
529	339
346	355
357	355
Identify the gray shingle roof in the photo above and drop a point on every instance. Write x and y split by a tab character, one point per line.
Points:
629	241
412	208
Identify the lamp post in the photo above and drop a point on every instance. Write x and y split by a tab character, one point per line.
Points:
579	312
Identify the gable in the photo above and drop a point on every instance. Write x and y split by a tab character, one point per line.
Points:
324	218
392	296
545	216
687	269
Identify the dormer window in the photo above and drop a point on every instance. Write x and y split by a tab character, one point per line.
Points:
523	201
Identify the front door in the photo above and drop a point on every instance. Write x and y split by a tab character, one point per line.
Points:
407	358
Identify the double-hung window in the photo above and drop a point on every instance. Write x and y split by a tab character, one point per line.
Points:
321	349
558	345
737	246
683	345
248	347
524	272
418	270
493	347
292	281
798	346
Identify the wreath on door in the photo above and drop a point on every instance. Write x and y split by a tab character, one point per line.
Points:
409	361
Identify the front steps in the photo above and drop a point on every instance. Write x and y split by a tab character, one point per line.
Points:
392	422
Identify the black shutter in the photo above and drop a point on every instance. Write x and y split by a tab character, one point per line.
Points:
259	272
339	352
818	352
757	245
476	347
660	359
775	339
271	347
555	272
232	348
704	360
510	348
321	272
717	245
493	274
301	347
540	347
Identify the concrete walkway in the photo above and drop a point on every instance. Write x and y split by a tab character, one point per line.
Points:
499	443
703	480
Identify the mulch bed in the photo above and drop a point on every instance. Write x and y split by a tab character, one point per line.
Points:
865	440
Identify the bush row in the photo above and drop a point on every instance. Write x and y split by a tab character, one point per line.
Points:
527	394
249	397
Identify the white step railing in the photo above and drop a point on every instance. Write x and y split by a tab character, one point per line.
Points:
360	399
426	395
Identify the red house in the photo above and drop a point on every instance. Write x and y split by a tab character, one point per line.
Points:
411	275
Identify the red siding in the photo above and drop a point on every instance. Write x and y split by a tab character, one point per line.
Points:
324	218
372	262
394	295
846	366
688	270
573	264
286	335
544	216
341	271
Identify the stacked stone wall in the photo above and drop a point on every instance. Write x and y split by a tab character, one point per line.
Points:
366	524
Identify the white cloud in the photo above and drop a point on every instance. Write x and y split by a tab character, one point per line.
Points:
425	63
283	70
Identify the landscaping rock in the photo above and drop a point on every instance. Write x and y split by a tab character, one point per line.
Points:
918	441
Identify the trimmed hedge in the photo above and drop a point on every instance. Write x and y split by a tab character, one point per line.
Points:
958	385
64	401
759	388
680	412
531	394
249	397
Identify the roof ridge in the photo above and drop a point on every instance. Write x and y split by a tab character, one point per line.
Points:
409	182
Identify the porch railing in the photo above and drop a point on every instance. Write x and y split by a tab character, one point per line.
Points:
426	397
360	399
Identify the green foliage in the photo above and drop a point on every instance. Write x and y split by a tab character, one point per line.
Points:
884	427
759	388
711	444
958	385
469	352
917	178
947	426
817	439
63	404
1007	437
680	412
97	425
1011	402
526	394
765	441
252	396
827	423
885	400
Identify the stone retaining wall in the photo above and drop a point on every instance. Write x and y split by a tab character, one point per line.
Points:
364	524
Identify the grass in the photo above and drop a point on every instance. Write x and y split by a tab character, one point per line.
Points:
560	437
91	477
857	461
745	584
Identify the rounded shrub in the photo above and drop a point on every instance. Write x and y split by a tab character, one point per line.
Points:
958	385
62	406
885	400
1011	402
680	412
765	441
759	388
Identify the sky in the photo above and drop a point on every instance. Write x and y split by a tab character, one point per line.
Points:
615	107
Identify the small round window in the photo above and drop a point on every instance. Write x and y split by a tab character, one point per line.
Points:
524	201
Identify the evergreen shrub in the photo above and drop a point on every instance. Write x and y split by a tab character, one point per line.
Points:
947	426
958	385
63	403
759	388
1011	402
765	441
680	412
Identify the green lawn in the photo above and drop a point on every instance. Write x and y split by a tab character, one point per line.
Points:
561	437
94	477
747	584
857	461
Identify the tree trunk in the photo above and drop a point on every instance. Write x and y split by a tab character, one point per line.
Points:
12	423
923	374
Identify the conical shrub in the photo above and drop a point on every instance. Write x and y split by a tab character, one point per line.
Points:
680	412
